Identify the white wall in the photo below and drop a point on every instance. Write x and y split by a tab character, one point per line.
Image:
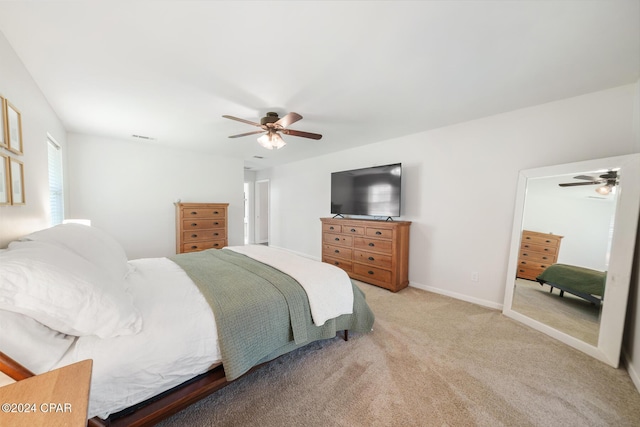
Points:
585	223
38	119
129	188
459	185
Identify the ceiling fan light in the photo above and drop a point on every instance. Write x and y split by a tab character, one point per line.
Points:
277	141
604	190
271	141
265	141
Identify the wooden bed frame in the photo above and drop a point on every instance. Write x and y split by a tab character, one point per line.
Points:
155	409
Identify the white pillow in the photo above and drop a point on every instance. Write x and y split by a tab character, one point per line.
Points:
64	291
30	343
91	243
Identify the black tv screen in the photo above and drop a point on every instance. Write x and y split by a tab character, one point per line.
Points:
373	191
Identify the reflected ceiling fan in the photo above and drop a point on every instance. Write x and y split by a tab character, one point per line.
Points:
272	125
609	179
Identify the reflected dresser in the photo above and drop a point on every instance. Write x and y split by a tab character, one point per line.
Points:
537	252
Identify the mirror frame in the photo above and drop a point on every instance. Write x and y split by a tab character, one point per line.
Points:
612	317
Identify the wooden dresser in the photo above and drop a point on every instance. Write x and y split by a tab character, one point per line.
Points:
201	226
375	252
537	252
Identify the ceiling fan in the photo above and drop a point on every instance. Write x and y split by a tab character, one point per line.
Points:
609	179
272	125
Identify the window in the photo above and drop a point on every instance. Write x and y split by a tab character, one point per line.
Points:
56	189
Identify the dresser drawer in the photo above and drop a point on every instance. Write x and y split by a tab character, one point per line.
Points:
528	273
532	256
379	232
345	265
332	228
337	251
372	273
197	235
376	245
353	230
529	247
337	239
533	265
203	213
540	240
206	244
202	224
377	260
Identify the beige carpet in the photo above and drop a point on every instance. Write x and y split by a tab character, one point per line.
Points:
569	314
430	361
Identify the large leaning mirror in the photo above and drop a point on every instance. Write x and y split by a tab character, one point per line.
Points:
571	256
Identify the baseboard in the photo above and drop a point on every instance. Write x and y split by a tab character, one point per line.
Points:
462	297
633	374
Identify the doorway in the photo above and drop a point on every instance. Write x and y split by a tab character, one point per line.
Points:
262	212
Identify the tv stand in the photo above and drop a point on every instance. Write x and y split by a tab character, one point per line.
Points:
372	251
338	216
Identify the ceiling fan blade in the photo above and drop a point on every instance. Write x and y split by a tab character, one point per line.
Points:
587	177
301	133
288	119
247	134
574	184
242	120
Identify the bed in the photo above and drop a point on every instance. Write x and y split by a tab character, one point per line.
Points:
162	332
583	282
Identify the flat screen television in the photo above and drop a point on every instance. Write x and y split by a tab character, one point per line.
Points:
373	191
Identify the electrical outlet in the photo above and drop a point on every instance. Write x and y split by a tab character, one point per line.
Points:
475	276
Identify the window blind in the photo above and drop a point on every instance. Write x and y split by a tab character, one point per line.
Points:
56	188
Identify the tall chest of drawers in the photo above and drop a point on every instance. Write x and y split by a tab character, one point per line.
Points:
537	252
375	252
201	226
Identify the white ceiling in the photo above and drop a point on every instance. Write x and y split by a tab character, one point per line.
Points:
358	71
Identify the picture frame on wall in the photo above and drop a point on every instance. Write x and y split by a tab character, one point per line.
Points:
5	186
14	128
16	172
3	125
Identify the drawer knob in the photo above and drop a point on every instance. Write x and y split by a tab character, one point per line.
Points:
193	224
378	233
194	247
353	230
336	251
194	213
370	272
216	234
527	237
337	239
371	244
371	258
216	223
331	228
216	244
194	236
336	263
216	212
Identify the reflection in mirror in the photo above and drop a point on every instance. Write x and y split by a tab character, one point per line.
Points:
571	253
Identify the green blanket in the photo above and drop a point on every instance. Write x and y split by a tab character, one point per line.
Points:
261	313
571	277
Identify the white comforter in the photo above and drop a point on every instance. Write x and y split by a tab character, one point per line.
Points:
179	340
